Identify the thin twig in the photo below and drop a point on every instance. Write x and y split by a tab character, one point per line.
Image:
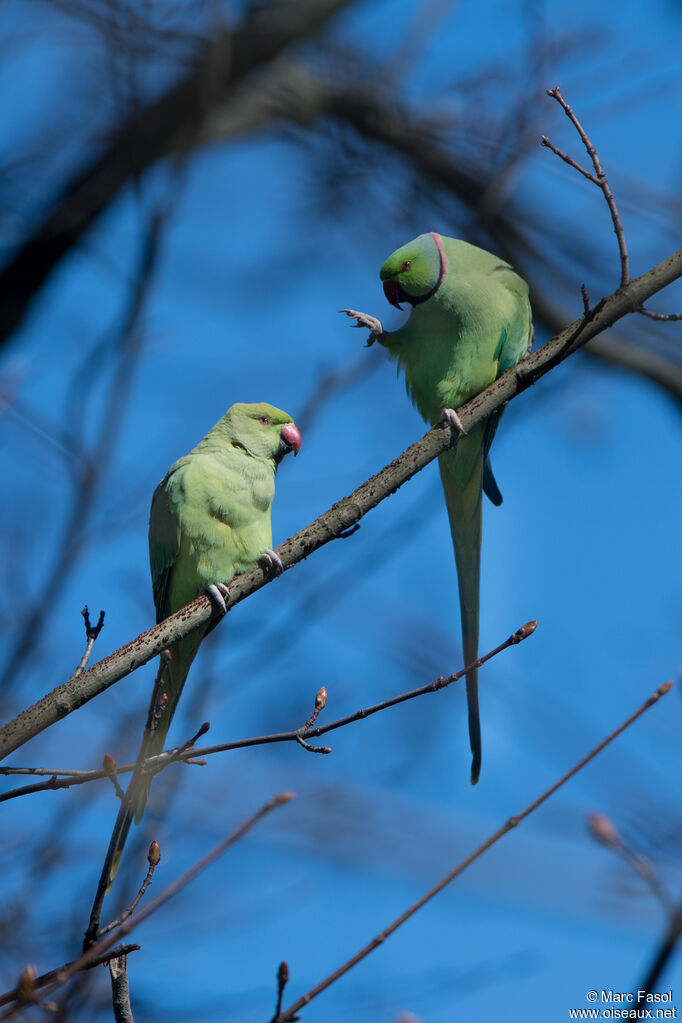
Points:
669	943
120	990
290	1014
153	858
182	754
605	832
46	978
665	317
91	634
128	346
345	513
109	768
600	180
97	953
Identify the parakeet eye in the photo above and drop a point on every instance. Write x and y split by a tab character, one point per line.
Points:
265	420
407	265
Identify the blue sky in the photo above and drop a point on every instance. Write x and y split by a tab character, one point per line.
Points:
244	307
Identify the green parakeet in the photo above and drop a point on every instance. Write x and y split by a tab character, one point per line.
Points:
470	321
209	520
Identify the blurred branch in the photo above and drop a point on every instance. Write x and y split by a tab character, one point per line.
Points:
187	753
96	953
605	832
167	125
662	957
379	115
46	978
290	1014
346	513
33	617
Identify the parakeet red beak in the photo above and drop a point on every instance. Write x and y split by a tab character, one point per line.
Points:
291	437
393	293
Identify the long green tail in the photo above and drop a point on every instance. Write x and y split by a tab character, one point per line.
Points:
173	670
461	473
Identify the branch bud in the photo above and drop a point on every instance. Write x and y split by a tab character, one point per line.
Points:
603	830
154	854
320	703
528	629
26	982
109	765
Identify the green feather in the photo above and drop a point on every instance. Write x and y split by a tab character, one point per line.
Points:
209	521
470	321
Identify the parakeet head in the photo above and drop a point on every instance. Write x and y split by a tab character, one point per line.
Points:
262	430
414	272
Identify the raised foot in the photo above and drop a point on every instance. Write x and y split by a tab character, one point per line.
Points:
270	563
449	416
219	595
364	321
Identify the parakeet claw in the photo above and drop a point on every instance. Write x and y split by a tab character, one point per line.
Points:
449	416
370	323
219	595
270	563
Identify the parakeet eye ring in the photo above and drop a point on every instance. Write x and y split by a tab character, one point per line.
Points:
407	265
264	420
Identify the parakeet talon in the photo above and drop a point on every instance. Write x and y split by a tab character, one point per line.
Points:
449	416
219	595
366	322
271	563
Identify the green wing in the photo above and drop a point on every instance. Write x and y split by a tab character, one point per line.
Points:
164	541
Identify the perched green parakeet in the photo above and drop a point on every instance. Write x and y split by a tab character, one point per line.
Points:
209	520
470	321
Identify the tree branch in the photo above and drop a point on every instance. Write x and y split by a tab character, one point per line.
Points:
346	513
97	952
187	753
167	125
290	1014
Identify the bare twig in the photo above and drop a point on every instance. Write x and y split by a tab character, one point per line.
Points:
290	1014
343	515
282	981
603	829
669	943
97	952
183	753
109	767
600	180
120	990
91	634
153	859
46	978
665	317
71	540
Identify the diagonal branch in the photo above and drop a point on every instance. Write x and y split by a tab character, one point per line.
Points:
290	1014
346	513
600	180
67	779
165	126
96	952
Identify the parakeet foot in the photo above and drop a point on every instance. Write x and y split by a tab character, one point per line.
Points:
370	323
219	595
449	416
270	563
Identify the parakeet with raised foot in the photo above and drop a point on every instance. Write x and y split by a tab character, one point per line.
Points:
470	321
209	521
